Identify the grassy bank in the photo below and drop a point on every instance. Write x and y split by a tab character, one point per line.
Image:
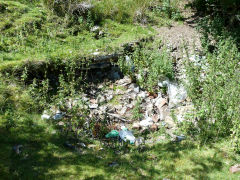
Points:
33	32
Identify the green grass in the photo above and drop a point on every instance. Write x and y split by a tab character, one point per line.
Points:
45	157
30	32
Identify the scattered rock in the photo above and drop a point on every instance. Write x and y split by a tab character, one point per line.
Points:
93	101
119	92
61	123
109	97
155	118
149	109
130	106
170	122
154	127
123	111
136	125
164	83
160	102
142	95
132	96
164	112
100	99
146	123
103	109
118	107
125	81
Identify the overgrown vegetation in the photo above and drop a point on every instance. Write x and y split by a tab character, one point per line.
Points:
61	33
150	64
214	83
64	30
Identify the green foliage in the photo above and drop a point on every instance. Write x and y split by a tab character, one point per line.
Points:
116	10
214	91
169	9
150	65
136	111
29	32
227	10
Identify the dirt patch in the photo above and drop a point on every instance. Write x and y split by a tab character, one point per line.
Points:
178	35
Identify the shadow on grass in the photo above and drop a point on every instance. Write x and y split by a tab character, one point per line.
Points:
44	157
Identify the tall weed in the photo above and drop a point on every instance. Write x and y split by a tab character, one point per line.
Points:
215	93
149	65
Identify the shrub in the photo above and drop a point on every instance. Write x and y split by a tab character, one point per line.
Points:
215	93
150	65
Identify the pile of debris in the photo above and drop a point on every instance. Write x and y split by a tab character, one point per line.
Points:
114	102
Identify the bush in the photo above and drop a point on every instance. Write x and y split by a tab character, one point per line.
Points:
215	93
150	65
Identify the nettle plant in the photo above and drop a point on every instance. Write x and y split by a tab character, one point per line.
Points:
66	97
148	65
215	94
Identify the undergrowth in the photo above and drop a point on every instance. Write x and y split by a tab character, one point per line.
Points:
53	30
148	64
213	88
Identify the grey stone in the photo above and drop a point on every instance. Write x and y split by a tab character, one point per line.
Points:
125	81
142	94
136	125
163	83
160	102
123	110
109	97
100	99
132	86
118	107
